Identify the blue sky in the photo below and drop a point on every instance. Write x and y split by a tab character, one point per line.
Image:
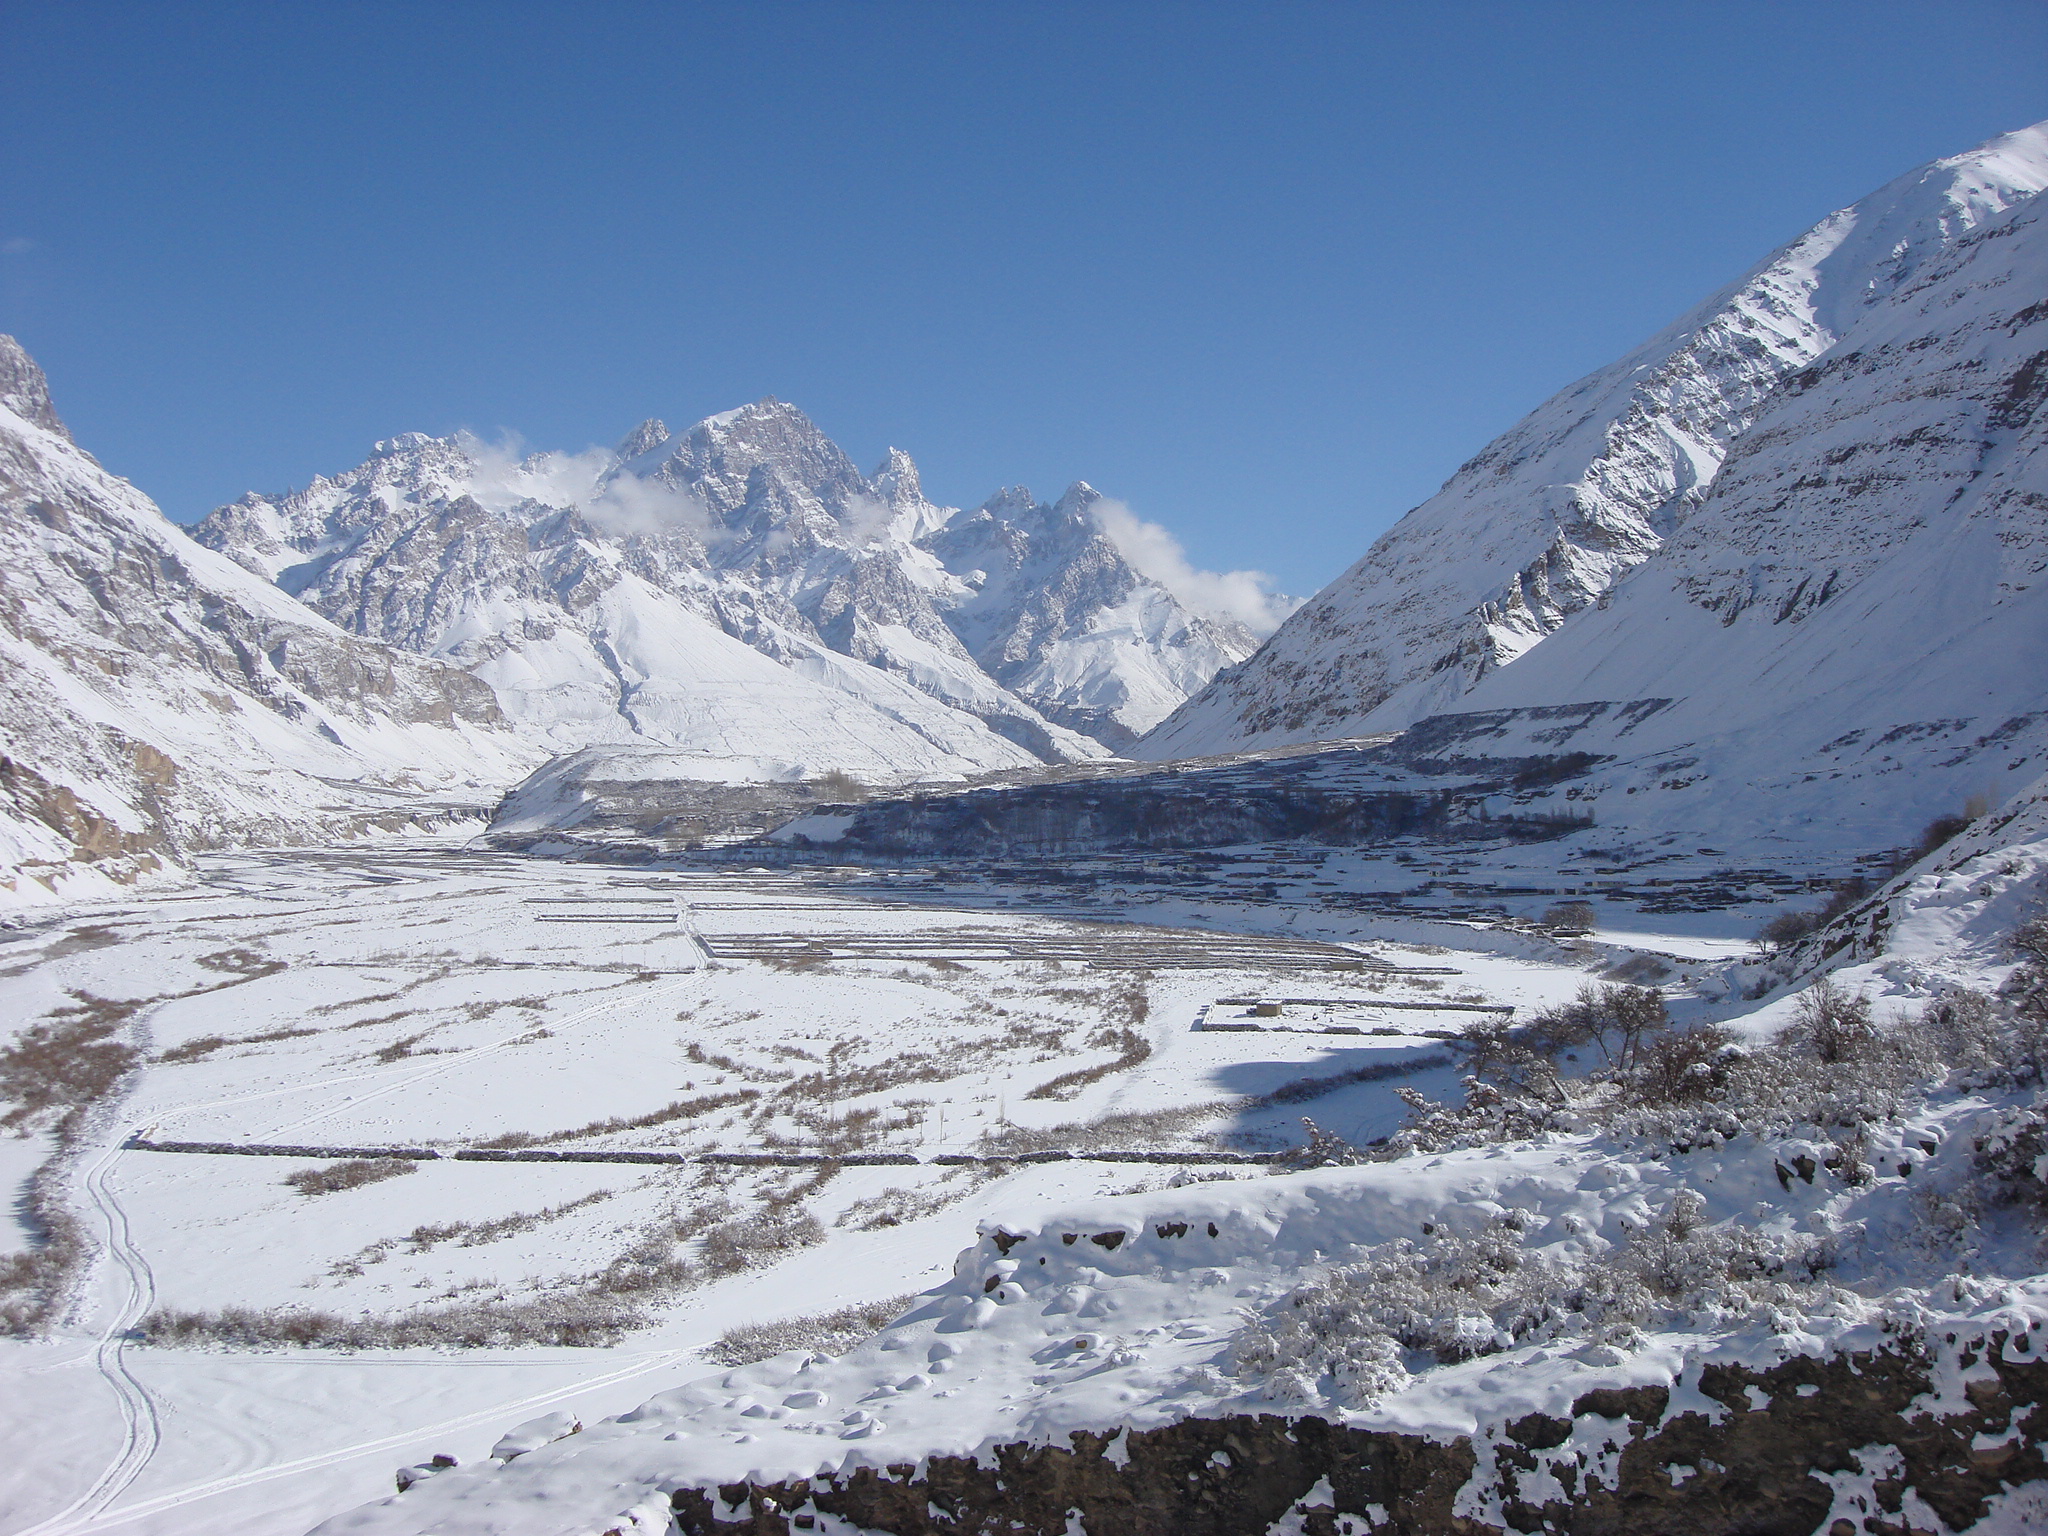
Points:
1268	273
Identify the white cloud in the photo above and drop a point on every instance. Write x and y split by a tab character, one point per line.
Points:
865	520
628	505
1246	596
623	505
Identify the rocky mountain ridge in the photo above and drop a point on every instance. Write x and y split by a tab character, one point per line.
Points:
595	592
1545	521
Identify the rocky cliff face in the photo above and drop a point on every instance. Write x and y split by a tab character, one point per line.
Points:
1760	1451
156	698
1546	520
583	587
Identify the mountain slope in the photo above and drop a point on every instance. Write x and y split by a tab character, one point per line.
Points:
1859	607
156	698
754	523
1587	487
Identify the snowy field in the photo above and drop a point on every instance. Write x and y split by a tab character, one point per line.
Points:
422	997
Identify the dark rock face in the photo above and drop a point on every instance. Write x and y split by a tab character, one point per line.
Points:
1621	1465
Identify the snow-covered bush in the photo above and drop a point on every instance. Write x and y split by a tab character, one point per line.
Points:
2011	1154
1451	1296
1836	1069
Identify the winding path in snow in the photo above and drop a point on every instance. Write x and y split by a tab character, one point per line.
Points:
141	1429
98	1519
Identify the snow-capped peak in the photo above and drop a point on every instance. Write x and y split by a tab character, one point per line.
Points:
754	522
24	390
645	438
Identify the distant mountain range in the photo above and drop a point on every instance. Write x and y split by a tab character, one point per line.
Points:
1794	545
741	589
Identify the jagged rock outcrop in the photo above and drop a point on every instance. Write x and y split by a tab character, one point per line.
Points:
156	699
1551	516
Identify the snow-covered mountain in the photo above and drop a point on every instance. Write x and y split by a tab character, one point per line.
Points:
741	589
156	699
1551	516
1854	619
1058	614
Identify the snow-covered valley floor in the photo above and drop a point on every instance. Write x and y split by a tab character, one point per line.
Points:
424	996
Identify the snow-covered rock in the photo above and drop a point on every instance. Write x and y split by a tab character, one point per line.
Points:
1551	516
592	592
156	698
1055	612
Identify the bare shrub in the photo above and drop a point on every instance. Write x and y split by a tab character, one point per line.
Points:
748	1242
1834	1024
206	1045
2030	940
839	786
895	1206
32	1283
564	1320
1323	1149
1785	930
591	1309
704	1058
1684	1066
1128	1130
828	1333
1571	917
1834	1070
470	1234
55	1069
1640	970
1304	1089
1789	928
1133	1050
680	1109
353	1174
1943	829
242	964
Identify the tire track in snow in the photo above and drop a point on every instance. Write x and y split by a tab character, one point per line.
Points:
103	1519
141	1429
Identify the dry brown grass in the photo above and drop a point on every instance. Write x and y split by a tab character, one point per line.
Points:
827	1333
57	1068
353	1174
681	1109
